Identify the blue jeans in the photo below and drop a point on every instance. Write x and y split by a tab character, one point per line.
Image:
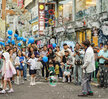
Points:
60	72
77	70
25	71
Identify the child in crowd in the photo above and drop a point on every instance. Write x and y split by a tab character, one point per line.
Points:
38	69
19	63
51	68
32	70
7	71
67	71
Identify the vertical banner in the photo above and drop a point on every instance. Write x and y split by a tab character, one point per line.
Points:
20	3
80	36
41	18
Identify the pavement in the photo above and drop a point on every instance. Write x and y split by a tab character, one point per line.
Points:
43	90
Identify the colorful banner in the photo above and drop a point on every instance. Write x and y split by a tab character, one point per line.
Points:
41	18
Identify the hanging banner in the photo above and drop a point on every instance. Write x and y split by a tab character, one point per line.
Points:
41	18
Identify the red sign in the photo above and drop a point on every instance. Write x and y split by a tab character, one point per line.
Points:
41	18
20	3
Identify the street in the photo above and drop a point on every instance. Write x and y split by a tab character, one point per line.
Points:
42	90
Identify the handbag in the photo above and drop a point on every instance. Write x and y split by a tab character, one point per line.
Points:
78	62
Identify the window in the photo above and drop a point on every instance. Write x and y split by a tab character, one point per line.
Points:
85	7
67	10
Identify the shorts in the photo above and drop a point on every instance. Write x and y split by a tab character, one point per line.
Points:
31	72
67	73
19	68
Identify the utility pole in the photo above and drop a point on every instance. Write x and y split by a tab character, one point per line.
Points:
74	10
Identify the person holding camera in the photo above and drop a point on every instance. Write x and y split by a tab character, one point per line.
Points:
78	55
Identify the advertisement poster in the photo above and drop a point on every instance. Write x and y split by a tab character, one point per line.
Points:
41	18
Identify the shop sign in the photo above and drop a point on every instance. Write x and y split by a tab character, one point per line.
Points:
41	18
34	12
20	3
59	29
35	28
71	30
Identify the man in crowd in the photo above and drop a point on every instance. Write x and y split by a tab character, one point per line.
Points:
103	57
78	54
88	67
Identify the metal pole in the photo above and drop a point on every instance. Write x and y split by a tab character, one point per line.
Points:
74	10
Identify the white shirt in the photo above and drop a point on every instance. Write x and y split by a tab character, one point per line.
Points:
39	65
33	63
57	57
89	61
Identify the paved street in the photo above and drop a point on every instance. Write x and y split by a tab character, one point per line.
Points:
44	91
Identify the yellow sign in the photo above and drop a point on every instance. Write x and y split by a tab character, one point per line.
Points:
80	36
41	7
60	8
95	40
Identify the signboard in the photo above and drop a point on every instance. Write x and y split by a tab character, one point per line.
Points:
20	3
41	18
27	2
59	29
34	12
35	28
95	40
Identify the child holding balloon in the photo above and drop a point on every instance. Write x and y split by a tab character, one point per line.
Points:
19	63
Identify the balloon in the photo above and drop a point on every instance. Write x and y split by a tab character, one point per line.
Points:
16	35
10	32
45	59
0	43
24	40
9	37
9	41
13	42
54	45
21	38
31	40
19	44
18	38
3	44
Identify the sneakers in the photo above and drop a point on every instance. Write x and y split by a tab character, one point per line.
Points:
84	94
11	91
90	93
2	92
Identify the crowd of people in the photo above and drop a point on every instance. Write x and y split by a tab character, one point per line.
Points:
67	64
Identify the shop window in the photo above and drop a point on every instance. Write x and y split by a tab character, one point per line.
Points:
67	10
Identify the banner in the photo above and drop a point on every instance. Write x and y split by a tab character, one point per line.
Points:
41	18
